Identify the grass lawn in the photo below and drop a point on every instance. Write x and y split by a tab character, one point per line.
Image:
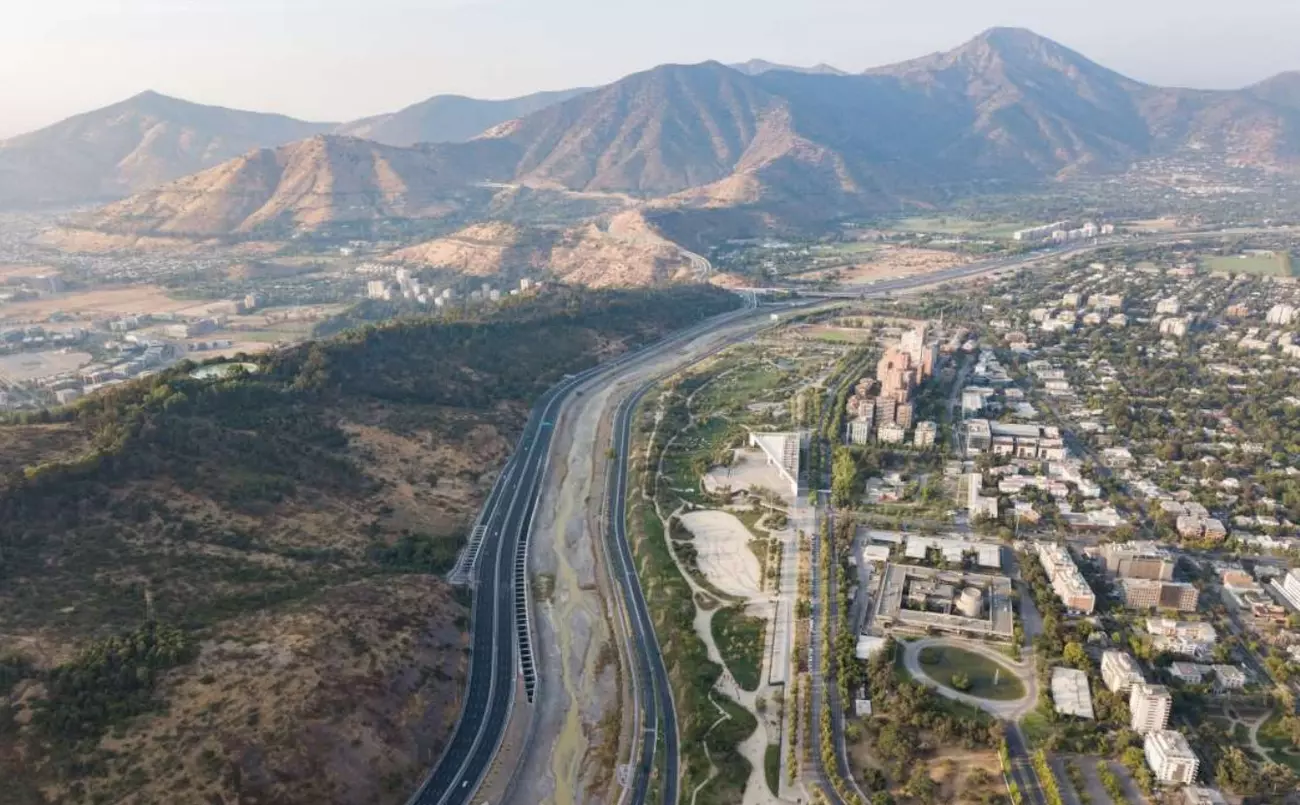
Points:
942	663
740	640
1277	265
1036	728
772	768
1278	743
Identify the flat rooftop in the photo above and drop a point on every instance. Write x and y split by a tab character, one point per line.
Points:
1070	692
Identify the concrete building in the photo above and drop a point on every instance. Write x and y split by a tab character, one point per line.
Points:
1149	707
1138	560
1170	757
1152	594
1120	671
1228	677
782	451
925	434
1280	315
1070	692
1175	327
1067	582
1169	307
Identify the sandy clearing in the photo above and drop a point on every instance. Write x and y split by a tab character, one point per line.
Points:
724	555
892	263
749	468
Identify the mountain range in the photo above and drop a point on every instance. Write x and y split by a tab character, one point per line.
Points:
1007	108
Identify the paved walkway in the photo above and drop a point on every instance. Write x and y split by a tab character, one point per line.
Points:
1008	710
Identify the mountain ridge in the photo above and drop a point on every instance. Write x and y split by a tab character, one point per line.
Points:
1006	108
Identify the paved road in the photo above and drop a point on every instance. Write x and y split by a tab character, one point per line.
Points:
495	652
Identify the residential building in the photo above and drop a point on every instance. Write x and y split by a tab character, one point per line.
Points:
1138	560
892	433
1281	315
860	431
1189	673
1175	327
1170	757
1120	671
1228	677
979	436
1067	582
977	503
925	434
1169	307
1151	594
1149	707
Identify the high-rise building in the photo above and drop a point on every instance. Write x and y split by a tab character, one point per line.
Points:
1149	707
903	415
1067	582
1170	757
1120	671
886	411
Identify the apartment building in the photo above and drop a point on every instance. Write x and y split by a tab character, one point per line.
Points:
1067	582
1149	707
1170	757
1152	594
1138	560
1120	671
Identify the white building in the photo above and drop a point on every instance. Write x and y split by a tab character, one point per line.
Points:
1067	582
1070	692
1170	757
1149	707
859	431
1281	315
1120	671
892	433
1169	307
925	434
1289	587
978	504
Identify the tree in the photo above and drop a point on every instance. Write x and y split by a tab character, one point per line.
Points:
844	477
1075	656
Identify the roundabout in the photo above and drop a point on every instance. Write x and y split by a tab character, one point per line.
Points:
991	681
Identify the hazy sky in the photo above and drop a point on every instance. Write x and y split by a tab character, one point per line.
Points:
341	59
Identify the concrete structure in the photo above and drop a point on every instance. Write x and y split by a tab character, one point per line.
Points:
1228	677
1149	707
1281	315
1138	560
1041	442
934	603
1067	582
860	431
1120	671
1151	594
954	550
782	451
1070	692
1192	639
1170	757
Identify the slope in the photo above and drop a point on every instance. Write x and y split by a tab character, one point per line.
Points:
233	594
132	145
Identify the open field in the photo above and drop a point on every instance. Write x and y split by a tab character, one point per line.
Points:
1277	264
946	225
888	262
835	335
26	366
723	554
101	302
942	663
8	271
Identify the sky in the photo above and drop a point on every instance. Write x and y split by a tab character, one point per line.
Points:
332	60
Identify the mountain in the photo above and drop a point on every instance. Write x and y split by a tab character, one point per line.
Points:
133	145
448	118
1282	89
1007	109
306	185
760	66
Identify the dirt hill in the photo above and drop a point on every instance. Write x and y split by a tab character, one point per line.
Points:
449	118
